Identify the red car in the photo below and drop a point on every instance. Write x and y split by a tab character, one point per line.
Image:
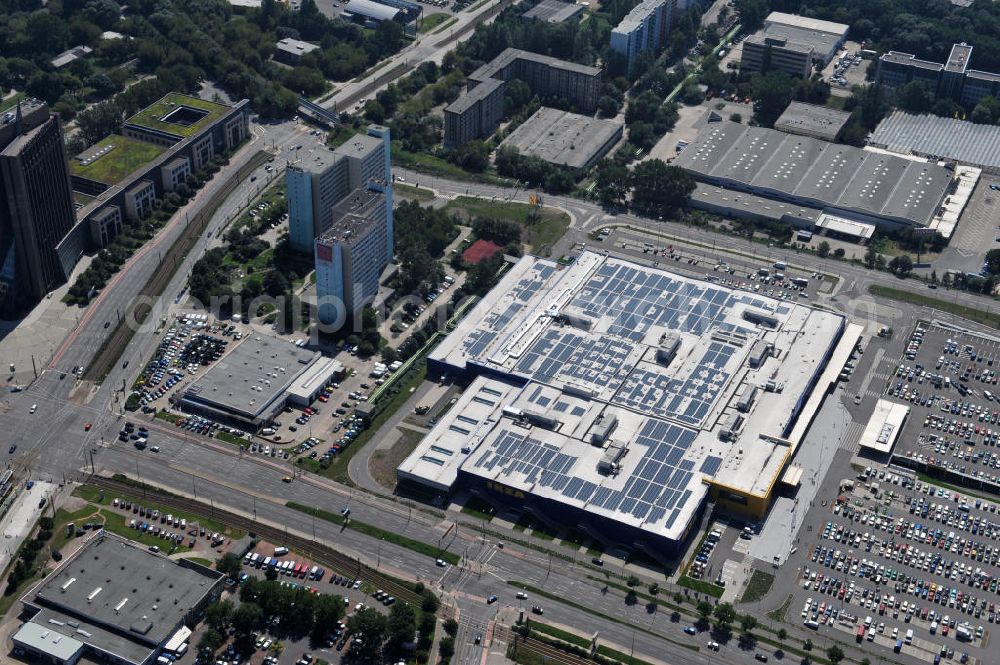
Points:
86	428
323	398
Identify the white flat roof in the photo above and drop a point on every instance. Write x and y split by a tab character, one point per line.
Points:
884	426
849	227
47	641
562	349
313	378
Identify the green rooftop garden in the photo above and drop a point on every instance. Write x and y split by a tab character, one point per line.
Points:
180	123
112	167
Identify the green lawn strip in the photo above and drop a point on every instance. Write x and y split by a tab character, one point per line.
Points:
778	613
437	166
115	523
205	562
230	438
338	465
478	509
590	610
758	586
94	495
541	235
619	656
376	532
432	21
558	633
700	586
966	312
446	24
937	482
411	192
171	418
125	156
477	5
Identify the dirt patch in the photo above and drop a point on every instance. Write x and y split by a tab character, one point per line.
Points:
383	463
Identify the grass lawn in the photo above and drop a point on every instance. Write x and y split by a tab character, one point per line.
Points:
152	116
758	586
541	235
340	135
836	102
441	167
415	193
559	634
383	463
230	438
619	656
432	21
205	562
778	613
971	313
923	477
115	523
171	418
377	532
125	155
11	102
700	586
478	508
103	498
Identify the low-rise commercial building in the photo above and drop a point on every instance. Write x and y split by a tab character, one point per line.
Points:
791	44
614	398
564	138
819	122
553	11
114	601
289	51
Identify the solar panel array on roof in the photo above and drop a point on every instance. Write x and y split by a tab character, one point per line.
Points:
567	355
656	488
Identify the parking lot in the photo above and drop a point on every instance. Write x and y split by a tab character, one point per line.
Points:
846	69
977	229
950	380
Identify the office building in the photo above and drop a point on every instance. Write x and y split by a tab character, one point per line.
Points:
114	601
953	79
479	116
645	28
122	175
289	51
619	399
316	186
351	255
792	44
39	242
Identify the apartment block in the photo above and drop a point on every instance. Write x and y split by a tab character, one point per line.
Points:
477	114
645	28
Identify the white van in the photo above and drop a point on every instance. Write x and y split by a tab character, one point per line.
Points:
909	636
280	551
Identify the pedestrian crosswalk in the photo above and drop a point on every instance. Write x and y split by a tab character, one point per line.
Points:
851	441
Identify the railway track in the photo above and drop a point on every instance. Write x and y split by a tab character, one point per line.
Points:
315	551
547	651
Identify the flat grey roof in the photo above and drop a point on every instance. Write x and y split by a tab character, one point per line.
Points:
248	379
508	56
801	34
295	46
636	16
900	58
553	11
47	641
561	137
474	96
813	120
352	216
118	596
947	138
807	171
958	59
806	23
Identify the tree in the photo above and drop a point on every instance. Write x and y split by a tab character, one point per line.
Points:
401	627
987	111
327	610
210	640
608	106
704	609
724	615
748	622
612	181
631	598
218	614
823	249
230	565
915	97
782	634
835	654
901	265
871	257
771	94
247	618
370	626
389	355
451	627
808	644
993	261
736	117
658	189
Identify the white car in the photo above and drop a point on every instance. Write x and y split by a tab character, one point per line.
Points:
34	407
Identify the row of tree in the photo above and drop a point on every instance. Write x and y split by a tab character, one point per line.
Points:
656	188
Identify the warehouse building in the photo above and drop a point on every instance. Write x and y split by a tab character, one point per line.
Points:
869	187
479	116
252	383
114	601
553	11
937	138
564	138
370	13
619	399
792	44
819	122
